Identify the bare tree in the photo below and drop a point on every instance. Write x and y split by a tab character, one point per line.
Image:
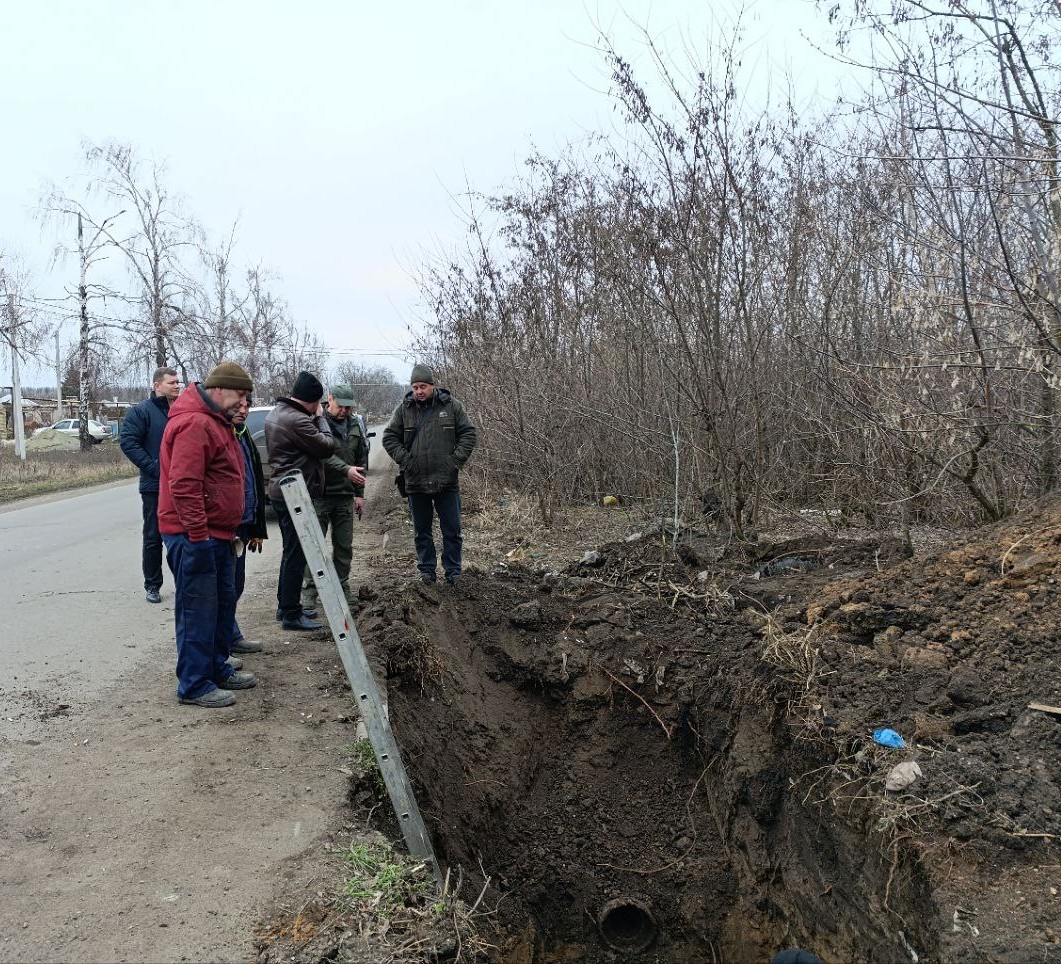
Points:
71	217
152	246
214	306
375	388
782	311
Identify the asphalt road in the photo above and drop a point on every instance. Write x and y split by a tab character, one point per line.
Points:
73	618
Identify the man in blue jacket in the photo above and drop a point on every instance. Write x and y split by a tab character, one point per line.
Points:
141	439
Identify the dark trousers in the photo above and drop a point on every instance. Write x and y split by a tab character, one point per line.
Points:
204	600
423	508
239	574
337	513
152	542
292	563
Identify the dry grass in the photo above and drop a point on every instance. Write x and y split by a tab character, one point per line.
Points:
55	471
796	655
512	524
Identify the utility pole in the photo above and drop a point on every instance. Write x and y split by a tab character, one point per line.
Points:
58	377
82	388
16	385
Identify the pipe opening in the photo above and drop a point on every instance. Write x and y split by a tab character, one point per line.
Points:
626	925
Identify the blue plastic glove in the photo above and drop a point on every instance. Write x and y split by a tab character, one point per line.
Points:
889	738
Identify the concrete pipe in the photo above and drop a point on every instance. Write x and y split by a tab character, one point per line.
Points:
626	924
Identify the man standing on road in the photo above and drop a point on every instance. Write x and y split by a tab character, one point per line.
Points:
141	437
252	530
298	438
431	437
201	502
344	489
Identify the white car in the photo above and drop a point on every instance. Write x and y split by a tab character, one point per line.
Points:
72	426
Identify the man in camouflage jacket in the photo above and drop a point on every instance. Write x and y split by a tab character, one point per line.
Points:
344	489
431	437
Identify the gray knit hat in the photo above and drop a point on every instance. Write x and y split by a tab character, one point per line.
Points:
229	375
422	373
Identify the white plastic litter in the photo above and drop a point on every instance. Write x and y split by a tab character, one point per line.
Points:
902	775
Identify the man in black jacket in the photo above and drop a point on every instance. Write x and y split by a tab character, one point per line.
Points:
252	530
431	437
141	439
298	438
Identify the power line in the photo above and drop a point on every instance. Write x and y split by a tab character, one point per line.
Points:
391	352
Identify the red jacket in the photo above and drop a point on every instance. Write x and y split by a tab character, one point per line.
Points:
201	471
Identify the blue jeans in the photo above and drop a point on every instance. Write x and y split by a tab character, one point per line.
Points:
292	563
447	505
152	561
204	603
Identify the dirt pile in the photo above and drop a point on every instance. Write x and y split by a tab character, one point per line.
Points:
666	751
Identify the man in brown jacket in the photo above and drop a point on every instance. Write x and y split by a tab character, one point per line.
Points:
298	438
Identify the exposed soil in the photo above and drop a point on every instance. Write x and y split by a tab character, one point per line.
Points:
661	753
682	736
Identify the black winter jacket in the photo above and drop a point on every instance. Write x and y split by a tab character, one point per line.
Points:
141	438
445	439
256	528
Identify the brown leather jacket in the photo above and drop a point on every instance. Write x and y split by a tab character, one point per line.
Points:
297	442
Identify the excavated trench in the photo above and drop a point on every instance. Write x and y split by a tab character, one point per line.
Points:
625	777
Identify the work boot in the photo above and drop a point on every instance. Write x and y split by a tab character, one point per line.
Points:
308	613
427	577
242	645
235	662
241	681
153	596
212	699
302	623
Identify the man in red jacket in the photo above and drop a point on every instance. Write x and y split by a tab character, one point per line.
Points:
200	505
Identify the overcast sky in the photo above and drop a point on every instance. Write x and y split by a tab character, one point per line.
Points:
339	133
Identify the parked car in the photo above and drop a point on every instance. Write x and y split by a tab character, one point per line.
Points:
369	436
72	426
256	426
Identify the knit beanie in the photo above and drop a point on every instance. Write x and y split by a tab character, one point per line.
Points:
307	388
422	373
229	375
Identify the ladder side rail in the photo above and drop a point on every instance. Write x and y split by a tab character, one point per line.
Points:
358	671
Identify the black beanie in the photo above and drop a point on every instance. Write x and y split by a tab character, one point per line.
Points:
307	388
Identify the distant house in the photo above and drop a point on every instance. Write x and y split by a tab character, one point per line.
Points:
44	411
35	413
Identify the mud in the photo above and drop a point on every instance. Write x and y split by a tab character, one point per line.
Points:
664	752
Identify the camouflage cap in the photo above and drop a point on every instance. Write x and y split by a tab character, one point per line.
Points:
343	395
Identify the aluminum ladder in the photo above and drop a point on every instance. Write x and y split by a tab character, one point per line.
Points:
369	702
